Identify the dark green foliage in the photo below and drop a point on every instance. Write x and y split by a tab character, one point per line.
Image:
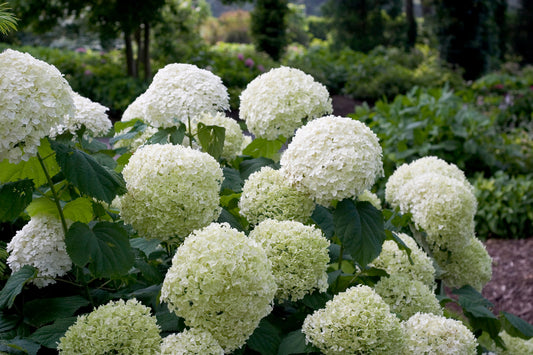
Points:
524	32
269	24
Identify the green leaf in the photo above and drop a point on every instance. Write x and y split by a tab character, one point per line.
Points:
42	205
31	169
15	197
359	226
316	300
250	166
49	335
14	285
294	343
170	322
137	126
227	217
473	302
211	139
104	245
147	246
232	180
265	339
79	210
172	135
261	147
324	219
84	172
42	311
401	245
516	326
19	346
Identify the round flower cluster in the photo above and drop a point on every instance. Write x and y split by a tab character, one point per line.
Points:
470	265
115	328
395	261
220	281
267	194
356	321
172	190
234	137
90	114
515	345
278	102
406	296
333	158
34	98
370	197
179	92
434	334
41	244
299	256
191	342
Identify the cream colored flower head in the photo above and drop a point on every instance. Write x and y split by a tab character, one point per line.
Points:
276	103
267	194
434	334
234	138
172	190
41	244
333	158
193	341
356	321
115	328
299	256
34	98
220	281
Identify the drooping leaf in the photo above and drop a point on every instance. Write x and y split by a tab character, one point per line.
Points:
232	180
261	147
516	326
41	311
227	217
316	300
49	335
14	285
170	322
211	139
324	219
172	135
294	343
265	339
84	172
104	245
15	197
79	210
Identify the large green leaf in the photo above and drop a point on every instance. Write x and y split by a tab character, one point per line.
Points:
79	210
324	219
31	169
84	172
41	311
19	346
250	166
42	205
261	147
104	245
211	139
172	135
516	326
294	343
14	285
359	226
227	217
265	339
15	197
137	126
232	180
49	335
147	246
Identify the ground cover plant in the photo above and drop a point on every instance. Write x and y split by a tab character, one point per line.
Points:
182	234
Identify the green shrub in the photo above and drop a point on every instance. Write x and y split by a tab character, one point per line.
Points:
505	205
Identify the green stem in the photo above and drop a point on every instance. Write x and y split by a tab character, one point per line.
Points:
54	194
420	240
189	133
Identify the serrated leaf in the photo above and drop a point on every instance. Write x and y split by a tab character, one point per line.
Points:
232	180
42	205
294	343
261	147
516	326
48	336
84	172
31	169
250	166
265	339
15	197
14	285
211	139
473	302
105	246
324	219
79	210
137	126
41	311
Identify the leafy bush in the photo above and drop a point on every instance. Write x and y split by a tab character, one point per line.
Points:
505	205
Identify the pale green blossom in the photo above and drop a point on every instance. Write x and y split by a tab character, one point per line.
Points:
515	345
193	341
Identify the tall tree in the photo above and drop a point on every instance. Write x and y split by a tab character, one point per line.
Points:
411	23
524	35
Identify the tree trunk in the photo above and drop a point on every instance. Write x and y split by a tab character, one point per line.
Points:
411	23
130	62
146	53
138	41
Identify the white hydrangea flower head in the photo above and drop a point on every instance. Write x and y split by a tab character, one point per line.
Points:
279	101
90	114
34	97
179	92
234	136
221	281
41	244
467	265
433	334
407	172
406	296
515	345
299	256
267	194
193	341
395	261
371	197
115	328
356	321
172	190
333	158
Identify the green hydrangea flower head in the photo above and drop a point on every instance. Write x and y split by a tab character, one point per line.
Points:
333	158
434	334
371	197
406	296
192	341
234	137
267	194
172	190
115	328
515	345
356	321
276	103
221	281
299	256
395	261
